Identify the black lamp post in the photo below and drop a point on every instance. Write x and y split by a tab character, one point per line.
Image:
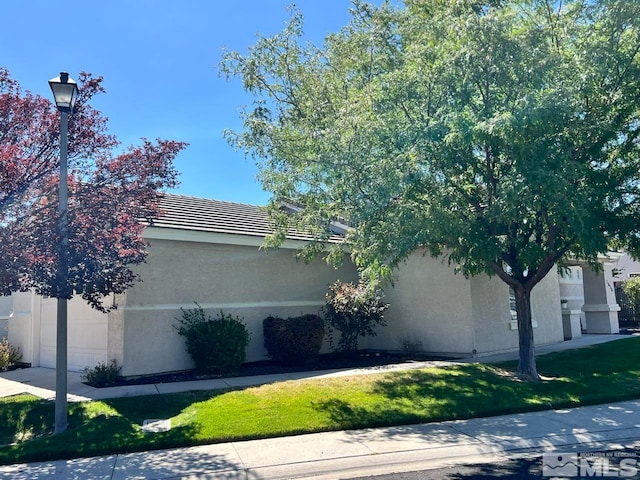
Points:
65	93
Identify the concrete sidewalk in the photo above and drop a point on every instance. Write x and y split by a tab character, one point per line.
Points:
349	454
343	454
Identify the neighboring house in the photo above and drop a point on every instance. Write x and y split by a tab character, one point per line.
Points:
627	268
207	251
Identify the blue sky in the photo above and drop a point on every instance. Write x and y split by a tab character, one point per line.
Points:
159	60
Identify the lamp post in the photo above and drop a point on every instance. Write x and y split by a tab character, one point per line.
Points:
65	93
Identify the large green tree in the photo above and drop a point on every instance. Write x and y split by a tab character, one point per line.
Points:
501	134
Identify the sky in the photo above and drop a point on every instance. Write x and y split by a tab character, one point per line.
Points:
159	60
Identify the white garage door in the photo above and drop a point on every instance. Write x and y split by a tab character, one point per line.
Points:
87	335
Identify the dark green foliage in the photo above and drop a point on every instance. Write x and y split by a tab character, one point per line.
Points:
631	289
217	344
295	339
502	135
102	374
355	311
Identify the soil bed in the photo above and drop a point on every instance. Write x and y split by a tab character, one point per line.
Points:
324	362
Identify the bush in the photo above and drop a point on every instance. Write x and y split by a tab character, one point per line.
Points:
410	344
102	374
294	340
631	289
355	311
9	355
215	344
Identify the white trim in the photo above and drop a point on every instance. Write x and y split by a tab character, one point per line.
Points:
601	307
162	233
609	257
224	306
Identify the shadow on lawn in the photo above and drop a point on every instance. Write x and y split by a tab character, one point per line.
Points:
428	395
115	429
20	420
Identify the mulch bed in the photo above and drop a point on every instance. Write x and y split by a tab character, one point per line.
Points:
324	362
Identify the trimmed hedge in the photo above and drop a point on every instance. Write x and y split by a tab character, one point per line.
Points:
216	344
295	339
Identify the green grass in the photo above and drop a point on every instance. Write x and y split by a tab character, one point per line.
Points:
598	374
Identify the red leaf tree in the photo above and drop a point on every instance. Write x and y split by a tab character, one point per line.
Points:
109	196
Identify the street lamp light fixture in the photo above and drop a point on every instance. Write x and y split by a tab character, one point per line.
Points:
65	92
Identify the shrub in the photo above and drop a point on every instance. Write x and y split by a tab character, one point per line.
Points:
216	344
410	344
355	311
631	289
9	355
102	374
294	340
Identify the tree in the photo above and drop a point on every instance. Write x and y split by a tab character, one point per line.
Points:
631	288
109	196
501	134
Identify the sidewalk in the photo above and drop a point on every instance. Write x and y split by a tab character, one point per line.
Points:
345	454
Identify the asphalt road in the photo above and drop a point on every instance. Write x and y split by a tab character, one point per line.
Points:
520	468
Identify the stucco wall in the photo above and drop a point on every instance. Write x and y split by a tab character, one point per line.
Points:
241	280
546	310
494	329
452	315
429	303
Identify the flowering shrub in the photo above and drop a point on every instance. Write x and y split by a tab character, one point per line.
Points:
355	311
9	355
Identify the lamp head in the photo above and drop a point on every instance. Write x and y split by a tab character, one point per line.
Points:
65	92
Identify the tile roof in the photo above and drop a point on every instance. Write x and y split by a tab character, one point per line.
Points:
206	215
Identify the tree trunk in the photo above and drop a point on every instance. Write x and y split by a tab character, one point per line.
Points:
527	365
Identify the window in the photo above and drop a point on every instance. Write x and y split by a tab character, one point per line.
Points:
512	304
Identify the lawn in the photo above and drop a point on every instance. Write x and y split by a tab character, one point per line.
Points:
598	374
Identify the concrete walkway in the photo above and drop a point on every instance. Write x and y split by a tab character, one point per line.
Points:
348	454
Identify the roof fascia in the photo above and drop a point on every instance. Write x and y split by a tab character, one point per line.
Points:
183	235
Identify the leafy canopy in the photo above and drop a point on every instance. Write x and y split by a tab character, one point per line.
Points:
502	134
109	195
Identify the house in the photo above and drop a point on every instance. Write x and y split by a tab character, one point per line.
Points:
627	267
208	251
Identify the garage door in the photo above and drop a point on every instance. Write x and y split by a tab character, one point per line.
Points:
87	335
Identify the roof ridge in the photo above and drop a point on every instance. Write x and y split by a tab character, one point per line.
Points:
228	202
